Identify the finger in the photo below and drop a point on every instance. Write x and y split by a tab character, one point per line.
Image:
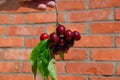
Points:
44	3
34	4
51	3
42	6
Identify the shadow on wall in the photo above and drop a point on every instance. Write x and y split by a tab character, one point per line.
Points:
14	5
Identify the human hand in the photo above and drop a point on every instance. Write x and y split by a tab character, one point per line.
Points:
38	4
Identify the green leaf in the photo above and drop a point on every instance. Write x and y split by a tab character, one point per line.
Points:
52	69
46	78
36	61
43	60
52	55
34	69
40	67
61	54
36	51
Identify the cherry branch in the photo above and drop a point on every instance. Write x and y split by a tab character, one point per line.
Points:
57	13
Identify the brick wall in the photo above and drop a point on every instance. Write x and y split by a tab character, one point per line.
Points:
95	57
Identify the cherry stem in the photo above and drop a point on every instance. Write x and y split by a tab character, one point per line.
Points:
56	9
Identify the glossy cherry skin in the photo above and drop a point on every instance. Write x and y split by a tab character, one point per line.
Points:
60	29
54	38
61	42
68	34
44	36
76	35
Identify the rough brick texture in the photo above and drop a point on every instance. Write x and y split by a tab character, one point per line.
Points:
95	57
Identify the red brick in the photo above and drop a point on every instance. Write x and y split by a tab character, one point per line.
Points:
4	19
2	30
60	66
95	41
31	42
11	42
118	41
75	54
43	17
117	14
72	4
104	78
105	54
71	78
1	54
16	77
90	15
105	27
89	68
27	77
17	54
26	67
19	30
9	67
74	27
17	19
118	69
26	9
51	29
104	3
9	77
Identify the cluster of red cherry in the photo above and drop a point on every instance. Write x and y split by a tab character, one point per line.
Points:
61	39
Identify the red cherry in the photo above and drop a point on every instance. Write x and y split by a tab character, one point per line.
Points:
44	36
70	43
57	49
76	35
68	34
65	48
60	29
54	38
61	42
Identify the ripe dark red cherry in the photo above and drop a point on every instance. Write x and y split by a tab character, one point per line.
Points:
60	29
65	48
68	34
57	49
76	35
54	38
44	36
70	43
61	42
